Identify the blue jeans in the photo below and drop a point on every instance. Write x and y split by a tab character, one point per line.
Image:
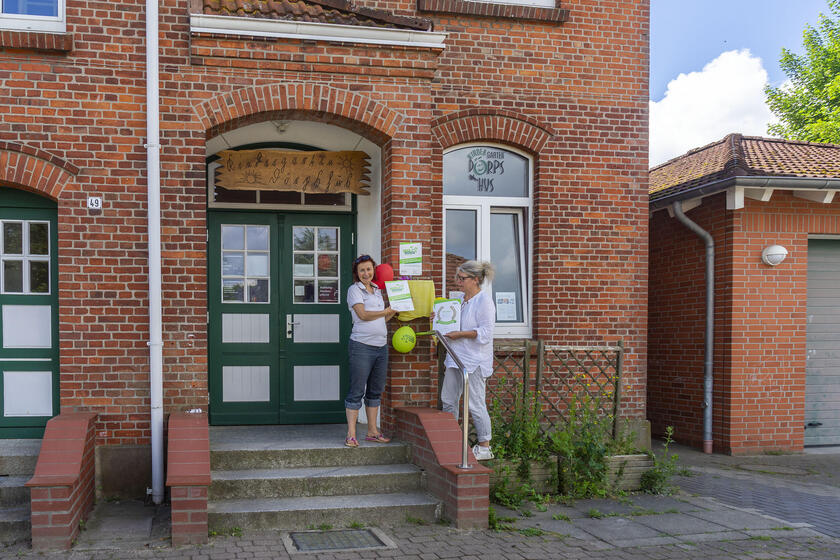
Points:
368	373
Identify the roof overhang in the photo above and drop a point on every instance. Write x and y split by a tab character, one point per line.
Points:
309	31
753	187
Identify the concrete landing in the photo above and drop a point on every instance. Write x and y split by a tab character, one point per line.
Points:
125	524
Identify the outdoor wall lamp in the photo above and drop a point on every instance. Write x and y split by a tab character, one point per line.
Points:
773	255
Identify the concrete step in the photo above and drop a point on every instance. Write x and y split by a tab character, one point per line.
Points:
13	492
18	456
285	457
14	525
311	512
315	481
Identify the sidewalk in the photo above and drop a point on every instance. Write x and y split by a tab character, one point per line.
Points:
689	524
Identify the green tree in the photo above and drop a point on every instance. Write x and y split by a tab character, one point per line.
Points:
808	107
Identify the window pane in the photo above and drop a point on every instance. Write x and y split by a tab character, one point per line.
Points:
233	290
338	199
39	277
505	255
327	239
39	239
257	264
13	276
304	238
225	195
233	264
13	238
279	197
233	237
327	265
31	7
461	242
258	291
304	291
328	291
304	265
485	171
258	238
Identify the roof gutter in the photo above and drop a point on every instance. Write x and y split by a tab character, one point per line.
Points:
750	181
708	362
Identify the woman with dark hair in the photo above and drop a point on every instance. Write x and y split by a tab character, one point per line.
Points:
474	346
367	350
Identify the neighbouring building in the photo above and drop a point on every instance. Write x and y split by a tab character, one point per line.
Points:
771	210
294	136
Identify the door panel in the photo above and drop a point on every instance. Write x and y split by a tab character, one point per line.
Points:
278	324
822	364
29	392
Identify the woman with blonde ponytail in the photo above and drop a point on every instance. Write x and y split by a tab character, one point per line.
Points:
474	346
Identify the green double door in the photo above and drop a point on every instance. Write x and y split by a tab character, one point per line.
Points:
278	319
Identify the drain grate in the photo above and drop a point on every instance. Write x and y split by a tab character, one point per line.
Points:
338	540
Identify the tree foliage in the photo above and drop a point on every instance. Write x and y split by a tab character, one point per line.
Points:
808	106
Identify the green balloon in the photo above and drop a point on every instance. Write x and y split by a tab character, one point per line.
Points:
404	339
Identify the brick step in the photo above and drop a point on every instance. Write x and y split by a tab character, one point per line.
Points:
319	511
14	525
13	492
315	481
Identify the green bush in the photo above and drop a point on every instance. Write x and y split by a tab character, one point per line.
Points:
522	438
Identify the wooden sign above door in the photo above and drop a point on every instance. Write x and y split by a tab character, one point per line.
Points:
279	170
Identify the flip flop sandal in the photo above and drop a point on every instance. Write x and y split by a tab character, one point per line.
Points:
351	442
378	438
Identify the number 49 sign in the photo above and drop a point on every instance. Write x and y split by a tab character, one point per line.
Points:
94	202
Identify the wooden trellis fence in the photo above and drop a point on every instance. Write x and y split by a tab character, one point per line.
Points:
556	377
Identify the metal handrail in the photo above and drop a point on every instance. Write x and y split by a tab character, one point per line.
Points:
466	415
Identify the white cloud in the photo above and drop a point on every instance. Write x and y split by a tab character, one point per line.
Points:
701	107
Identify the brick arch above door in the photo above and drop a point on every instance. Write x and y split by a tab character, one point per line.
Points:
34	170
292	100
474	125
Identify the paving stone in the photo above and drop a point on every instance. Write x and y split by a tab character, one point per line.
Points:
678	524
614	529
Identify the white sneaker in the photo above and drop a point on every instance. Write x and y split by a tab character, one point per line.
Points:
482	453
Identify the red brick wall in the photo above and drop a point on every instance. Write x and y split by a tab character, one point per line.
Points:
760	315
572	94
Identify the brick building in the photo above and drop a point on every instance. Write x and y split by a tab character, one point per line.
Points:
501	131
776	328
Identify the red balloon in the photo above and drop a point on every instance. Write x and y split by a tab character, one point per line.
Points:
383	273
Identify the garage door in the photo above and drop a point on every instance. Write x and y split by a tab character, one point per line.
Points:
822	389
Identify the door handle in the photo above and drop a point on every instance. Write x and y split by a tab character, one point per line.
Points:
290	325
813	424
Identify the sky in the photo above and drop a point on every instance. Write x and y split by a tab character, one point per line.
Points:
709	62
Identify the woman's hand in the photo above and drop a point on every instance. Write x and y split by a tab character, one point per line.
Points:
389	313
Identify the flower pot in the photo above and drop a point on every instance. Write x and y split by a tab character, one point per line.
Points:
624	472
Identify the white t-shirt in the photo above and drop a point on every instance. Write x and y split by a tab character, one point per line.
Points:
372	333
477	314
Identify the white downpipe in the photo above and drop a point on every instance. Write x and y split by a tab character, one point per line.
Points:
153	176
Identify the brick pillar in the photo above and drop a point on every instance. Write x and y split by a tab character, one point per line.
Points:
62	490
188	476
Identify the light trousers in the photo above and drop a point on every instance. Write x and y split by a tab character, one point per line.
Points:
450	395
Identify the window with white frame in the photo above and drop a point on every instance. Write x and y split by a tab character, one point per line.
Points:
487	216
32	15
25	257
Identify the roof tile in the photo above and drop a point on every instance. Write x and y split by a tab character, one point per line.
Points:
341	12
737	155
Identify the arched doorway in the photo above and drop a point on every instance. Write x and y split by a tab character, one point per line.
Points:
278	272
